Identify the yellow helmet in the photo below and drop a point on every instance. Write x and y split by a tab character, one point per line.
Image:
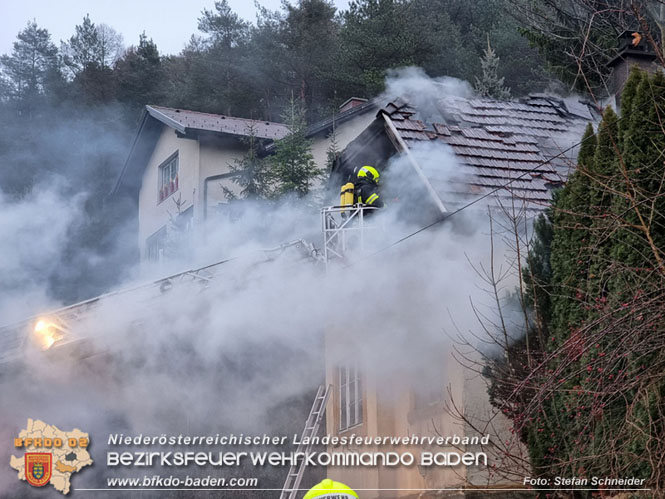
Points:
369	172
331	490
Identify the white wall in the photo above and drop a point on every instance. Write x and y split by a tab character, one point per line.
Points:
217	156
154	214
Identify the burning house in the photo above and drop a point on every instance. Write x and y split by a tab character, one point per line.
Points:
436	156
441	157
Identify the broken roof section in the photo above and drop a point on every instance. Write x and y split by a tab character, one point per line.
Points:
527	143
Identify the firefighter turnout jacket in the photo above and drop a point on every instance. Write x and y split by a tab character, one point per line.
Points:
367	193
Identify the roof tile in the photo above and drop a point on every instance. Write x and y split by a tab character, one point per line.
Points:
499	144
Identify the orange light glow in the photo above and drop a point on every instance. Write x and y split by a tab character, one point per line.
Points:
47	333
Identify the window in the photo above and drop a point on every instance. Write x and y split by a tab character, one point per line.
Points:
168	177
155	246
350	397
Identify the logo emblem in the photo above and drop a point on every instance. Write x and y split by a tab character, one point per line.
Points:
38	468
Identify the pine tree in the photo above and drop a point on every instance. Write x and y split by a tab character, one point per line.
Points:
253	174
294	166
32	64
93	46
224	26
490	84
83	49
140	74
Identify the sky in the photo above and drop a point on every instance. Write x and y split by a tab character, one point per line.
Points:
169	23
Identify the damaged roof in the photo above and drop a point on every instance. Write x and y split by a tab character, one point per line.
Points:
183	120
497	142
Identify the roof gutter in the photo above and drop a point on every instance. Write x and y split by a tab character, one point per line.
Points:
165	119
405	149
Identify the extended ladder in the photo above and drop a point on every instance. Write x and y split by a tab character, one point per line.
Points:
294	477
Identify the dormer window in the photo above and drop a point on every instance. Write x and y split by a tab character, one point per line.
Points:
168	177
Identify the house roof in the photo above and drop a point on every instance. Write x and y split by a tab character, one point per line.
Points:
497	142
183	120
186	122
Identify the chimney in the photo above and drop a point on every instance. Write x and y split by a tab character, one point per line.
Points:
351	103
634	49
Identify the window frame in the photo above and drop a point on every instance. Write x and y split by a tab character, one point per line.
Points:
167	163
349	380
154	246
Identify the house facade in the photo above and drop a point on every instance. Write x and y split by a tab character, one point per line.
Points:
179	166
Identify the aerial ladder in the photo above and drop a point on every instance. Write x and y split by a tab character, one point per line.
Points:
54	331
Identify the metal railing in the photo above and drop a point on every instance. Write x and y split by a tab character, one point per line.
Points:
344	228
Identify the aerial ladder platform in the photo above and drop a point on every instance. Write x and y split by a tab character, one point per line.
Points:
347	228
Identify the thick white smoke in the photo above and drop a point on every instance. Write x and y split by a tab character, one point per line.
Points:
34	234
234	355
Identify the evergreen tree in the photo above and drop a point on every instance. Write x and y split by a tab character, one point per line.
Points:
639	242
293	163
214	78
84	47
309	33
570	245
88	56
32	64
603	171
252	173
378	35
562	301
628	99
140	74
225	27
604	320
296	50
490	84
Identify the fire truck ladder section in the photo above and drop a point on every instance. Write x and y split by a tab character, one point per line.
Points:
293	479
14	338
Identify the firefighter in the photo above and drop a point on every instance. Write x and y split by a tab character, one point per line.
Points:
366	187
329	489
